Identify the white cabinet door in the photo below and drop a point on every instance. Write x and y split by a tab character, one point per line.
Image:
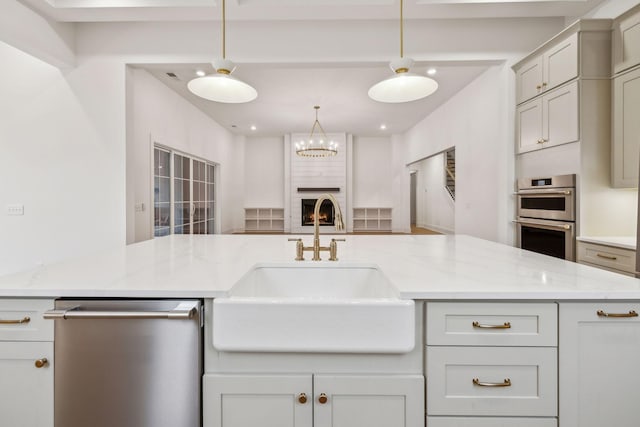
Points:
626	42
26	391
560	63
626	129
257	400
599	366
529	80
371	401
549	120
529	125
560	116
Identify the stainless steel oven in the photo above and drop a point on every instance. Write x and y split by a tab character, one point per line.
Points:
546	215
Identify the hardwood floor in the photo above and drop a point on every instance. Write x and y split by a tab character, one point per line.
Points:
420	230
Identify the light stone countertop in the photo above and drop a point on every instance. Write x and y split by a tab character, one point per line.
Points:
441	267
623	242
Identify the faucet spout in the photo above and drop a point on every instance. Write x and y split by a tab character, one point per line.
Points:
339	224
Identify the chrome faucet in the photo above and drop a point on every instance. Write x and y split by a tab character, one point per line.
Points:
316	248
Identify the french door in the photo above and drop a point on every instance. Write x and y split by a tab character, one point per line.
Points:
184	194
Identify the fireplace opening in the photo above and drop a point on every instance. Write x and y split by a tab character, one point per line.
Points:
325	217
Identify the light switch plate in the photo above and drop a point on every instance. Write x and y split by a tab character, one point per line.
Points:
15	209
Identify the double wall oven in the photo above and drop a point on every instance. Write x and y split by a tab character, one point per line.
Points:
546	209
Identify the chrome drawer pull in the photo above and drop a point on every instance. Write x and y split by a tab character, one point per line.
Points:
15	322
505	383
506	325
612	258
631	313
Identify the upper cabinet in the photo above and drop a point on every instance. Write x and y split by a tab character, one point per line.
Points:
626	40
549	69
558	85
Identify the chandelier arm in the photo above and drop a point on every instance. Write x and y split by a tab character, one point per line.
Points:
324	134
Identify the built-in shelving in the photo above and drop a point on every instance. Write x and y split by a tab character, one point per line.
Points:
372	219
264	219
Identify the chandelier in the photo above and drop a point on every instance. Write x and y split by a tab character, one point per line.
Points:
402	86
317	145
221	86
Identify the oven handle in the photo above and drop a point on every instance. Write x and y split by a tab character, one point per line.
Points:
558	227
543	192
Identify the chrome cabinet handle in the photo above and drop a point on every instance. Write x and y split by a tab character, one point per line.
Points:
557	227
631	313
505	383
15	321
543	193
505	325
41	363
612	258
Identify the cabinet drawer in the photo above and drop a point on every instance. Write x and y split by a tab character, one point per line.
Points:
490	422
492	381
492	324
607	256
21	320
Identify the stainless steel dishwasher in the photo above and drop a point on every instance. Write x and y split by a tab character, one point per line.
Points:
127	363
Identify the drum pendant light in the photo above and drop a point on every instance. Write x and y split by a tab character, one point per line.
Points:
221	86
402	86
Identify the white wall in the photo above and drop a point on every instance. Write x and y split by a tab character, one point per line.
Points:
372	172
159	115
478	121
264	172
435	209
61	158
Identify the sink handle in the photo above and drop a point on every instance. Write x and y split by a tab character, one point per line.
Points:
299	248
333	249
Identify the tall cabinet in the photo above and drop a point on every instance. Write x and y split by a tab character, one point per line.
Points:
625	154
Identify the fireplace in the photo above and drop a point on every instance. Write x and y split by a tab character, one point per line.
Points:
325	216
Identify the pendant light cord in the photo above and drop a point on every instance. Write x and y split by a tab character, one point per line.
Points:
401	30
224	52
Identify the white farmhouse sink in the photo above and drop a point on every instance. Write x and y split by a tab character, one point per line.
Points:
335	308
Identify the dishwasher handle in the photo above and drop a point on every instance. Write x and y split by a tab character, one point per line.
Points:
184	310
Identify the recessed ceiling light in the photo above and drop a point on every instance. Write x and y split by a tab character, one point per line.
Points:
200	73
383	126
253	127
432	71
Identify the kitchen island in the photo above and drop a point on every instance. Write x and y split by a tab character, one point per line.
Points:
503	337
421	267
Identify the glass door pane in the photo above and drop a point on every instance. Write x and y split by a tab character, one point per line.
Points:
210	197
182	199
199	197
161	192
